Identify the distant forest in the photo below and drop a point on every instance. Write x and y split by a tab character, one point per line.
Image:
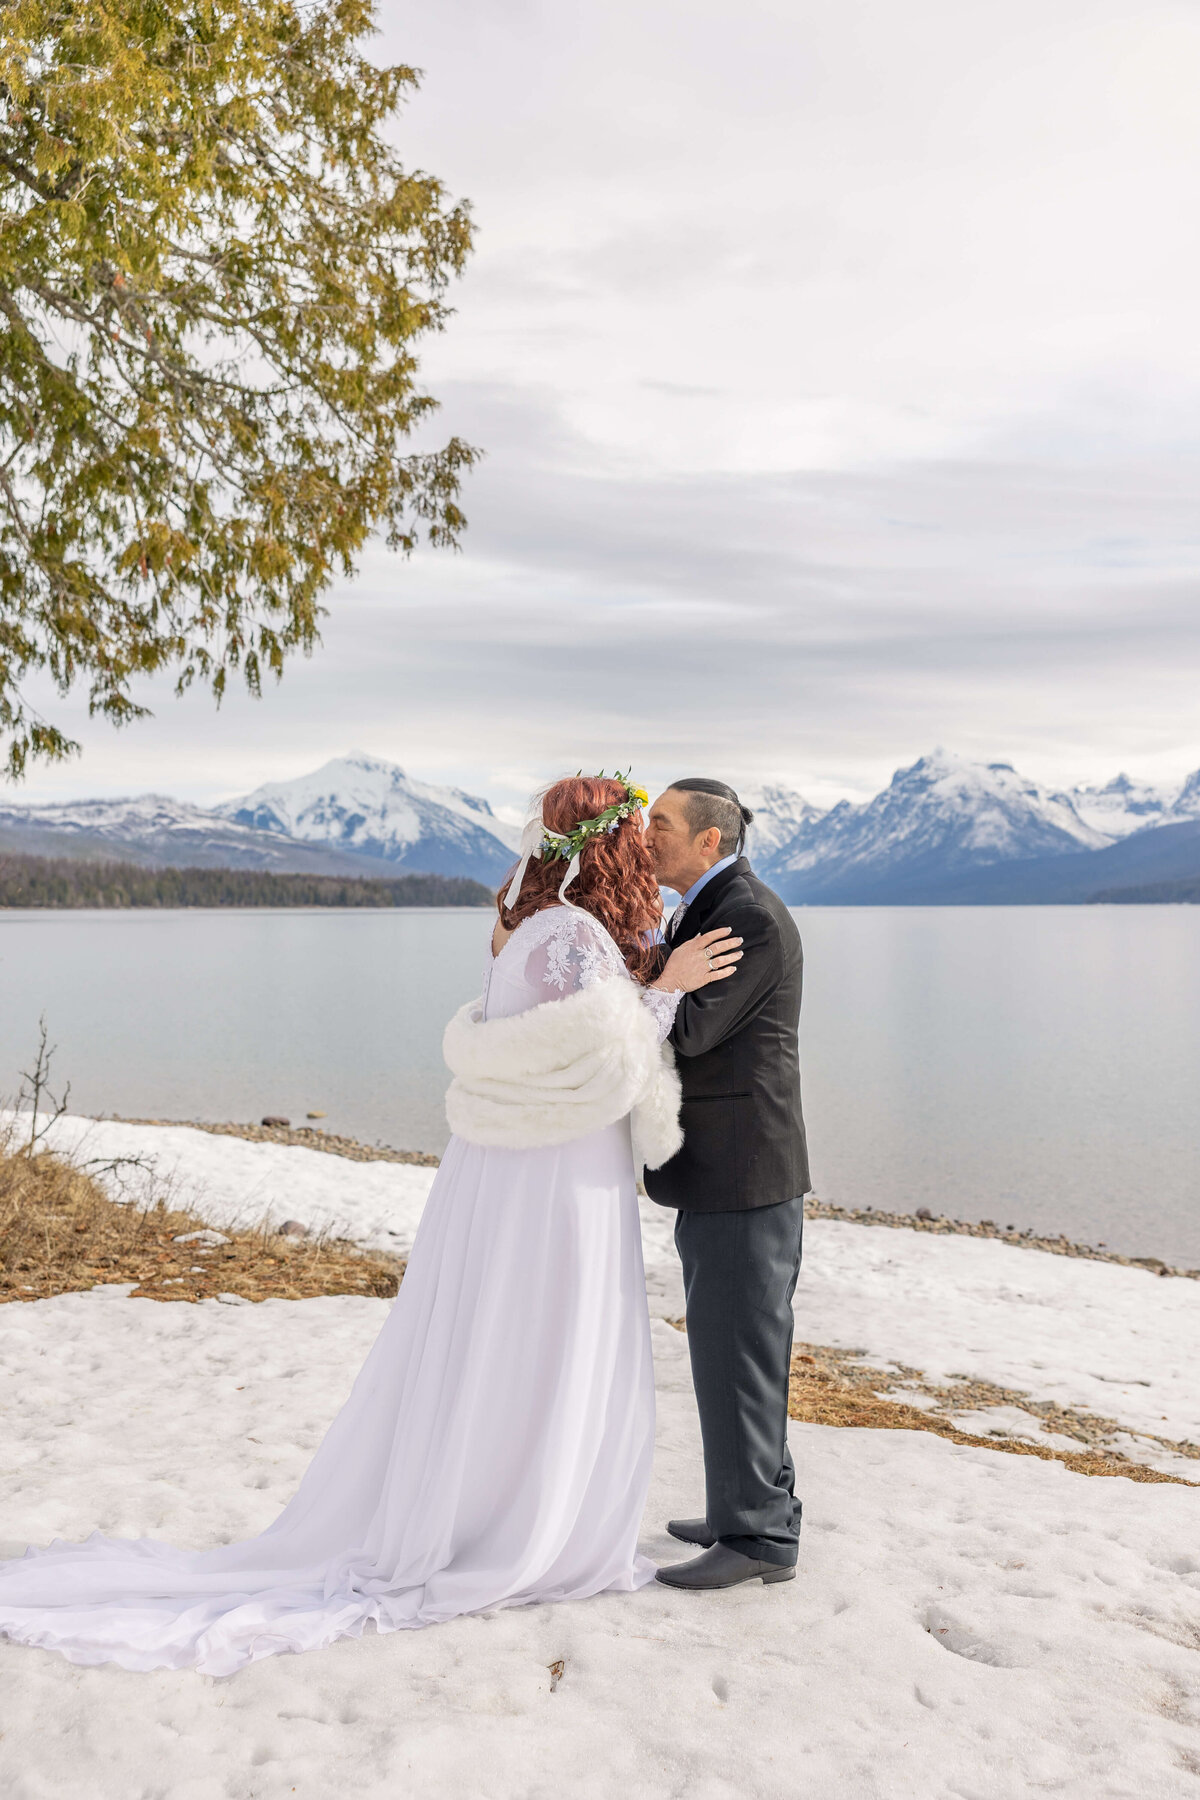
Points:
1154	893
60	881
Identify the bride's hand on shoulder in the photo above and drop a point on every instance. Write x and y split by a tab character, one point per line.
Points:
711	956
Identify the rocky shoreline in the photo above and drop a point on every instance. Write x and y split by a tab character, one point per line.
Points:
923	1220
312	1138
307	1137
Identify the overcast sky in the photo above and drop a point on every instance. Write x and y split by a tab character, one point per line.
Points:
837	367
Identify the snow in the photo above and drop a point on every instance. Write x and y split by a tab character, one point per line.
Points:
133	813
231	1181
130	820
1013	1421
966	812
156	829
779	813
970	812
1122	806
1186	804
1116	1341
363	803
355	804
967	1625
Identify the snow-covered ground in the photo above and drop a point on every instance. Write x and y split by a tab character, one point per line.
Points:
967	1625
1115	1340
233	1181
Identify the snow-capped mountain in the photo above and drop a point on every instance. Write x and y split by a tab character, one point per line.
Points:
155	830
945	830
942	815
779	814
1122	806
1186	804
371	808
356	816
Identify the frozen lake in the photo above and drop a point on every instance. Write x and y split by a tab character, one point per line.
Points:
1039	1066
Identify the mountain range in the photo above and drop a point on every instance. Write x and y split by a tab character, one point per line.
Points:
360	806
944	831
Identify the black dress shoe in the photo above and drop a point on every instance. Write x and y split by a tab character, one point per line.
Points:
692	1531
722	1567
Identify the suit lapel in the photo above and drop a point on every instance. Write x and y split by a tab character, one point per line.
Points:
705	903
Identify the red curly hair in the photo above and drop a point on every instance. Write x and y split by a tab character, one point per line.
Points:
616	881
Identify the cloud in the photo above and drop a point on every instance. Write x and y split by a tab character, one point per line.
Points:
818	628
838	377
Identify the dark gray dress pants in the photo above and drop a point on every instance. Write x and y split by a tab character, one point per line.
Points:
739	1275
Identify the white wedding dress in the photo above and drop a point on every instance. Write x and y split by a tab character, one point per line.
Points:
495	1449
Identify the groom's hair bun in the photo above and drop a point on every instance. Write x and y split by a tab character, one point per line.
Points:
715	803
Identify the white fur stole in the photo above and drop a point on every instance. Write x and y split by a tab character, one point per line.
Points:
562	1070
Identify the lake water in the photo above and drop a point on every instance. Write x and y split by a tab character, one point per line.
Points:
1039	1066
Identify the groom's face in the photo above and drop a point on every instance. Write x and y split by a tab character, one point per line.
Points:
680	856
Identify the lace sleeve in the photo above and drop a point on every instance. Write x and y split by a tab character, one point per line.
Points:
662	1007
570	952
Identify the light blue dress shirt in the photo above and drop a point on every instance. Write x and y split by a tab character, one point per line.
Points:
726	862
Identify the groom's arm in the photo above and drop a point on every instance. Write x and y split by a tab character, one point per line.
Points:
714	1013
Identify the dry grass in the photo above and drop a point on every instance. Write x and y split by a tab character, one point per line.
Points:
830	1387
60	1233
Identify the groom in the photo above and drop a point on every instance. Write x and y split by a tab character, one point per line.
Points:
738	1184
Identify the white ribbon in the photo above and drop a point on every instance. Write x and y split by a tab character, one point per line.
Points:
568	878
531	839
533	836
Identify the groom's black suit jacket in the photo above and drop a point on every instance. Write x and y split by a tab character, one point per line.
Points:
738	1054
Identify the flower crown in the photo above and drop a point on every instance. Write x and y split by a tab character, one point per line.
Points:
569	844
538	840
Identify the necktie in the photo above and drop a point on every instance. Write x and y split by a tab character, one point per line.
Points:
676	921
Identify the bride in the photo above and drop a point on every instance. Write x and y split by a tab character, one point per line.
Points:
496	1447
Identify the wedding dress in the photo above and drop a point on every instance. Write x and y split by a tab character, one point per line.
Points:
496	1447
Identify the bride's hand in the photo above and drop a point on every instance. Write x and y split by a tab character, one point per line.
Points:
711	956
